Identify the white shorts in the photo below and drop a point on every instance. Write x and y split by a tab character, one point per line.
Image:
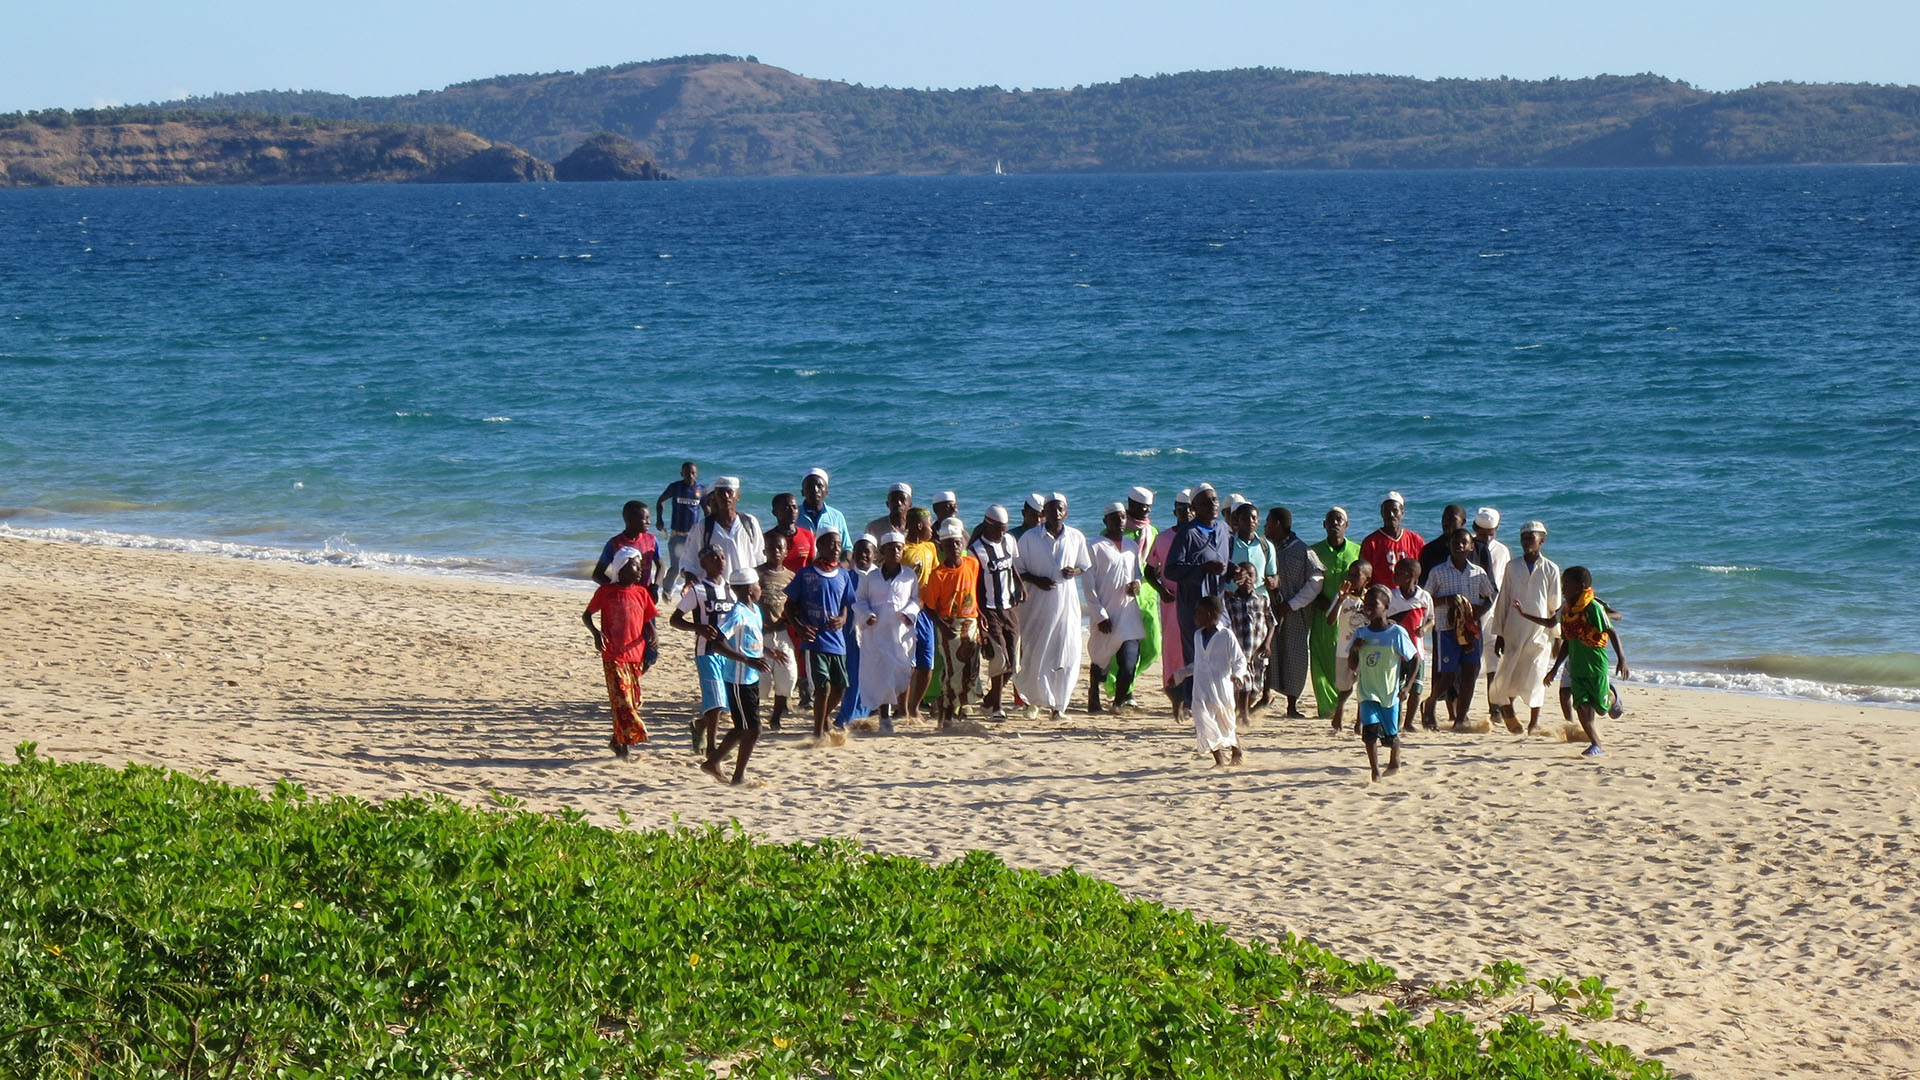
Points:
786	670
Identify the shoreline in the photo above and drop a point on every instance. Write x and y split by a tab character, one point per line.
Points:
1721	676
1742	864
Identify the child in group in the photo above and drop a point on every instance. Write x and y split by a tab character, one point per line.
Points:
742	644
782	648
851	706
1585	631
1345	614
1250	614
702	604
1382	662
820	599
1412	607
625	640
1217	671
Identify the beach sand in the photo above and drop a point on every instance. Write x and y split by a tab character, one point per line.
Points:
1744	865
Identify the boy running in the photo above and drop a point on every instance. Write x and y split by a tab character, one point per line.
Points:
819	599
704	602
1585	631
1382	660
741	632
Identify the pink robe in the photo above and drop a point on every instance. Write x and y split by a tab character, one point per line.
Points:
1172	657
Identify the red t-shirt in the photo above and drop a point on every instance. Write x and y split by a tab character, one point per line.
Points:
799	549
625	611
1384	551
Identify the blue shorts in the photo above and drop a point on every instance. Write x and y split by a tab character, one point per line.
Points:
923	642
713	681
1452	656
1379	721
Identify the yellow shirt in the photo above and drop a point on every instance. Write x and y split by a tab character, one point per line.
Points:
923	557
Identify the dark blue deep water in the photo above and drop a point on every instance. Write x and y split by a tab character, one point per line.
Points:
1705	381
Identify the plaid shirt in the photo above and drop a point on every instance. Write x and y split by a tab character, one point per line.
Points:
1444	581
1251	617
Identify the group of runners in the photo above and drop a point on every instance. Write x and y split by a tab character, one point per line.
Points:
921	612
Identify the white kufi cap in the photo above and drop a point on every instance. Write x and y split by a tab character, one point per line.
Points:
1143	496
1487	518
998	513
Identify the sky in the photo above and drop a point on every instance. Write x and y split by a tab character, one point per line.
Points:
121	52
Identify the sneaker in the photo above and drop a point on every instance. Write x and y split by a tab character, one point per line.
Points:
1593	751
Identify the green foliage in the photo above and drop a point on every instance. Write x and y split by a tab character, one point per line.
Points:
1596	998
161	926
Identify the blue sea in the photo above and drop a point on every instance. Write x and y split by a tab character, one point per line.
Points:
1706	382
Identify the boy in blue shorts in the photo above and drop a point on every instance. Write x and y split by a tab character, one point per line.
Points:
702	605
1381	659
742	643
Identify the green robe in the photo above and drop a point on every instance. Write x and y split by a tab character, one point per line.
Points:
1149	615
1323	636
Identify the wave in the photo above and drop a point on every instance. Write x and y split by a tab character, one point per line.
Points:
1884	679
1727	569
336	551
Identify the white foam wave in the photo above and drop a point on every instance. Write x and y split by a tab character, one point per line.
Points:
1751	682
1728	569
336	551
1138	453
806	373
496	419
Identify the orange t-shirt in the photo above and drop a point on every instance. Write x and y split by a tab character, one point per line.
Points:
953	592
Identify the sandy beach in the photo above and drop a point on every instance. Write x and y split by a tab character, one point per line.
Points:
1744	865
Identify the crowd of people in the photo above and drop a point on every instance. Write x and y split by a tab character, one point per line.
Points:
921	611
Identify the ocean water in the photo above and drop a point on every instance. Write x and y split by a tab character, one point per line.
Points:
1704	381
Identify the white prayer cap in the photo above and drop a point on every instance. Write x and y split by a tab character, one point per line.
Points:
1203	486
1236	500
620	559
729	482
1393	497
811	473
746	575
891	536
870	540
998	513
1185	498
1143	496
1487	518
1056	497
1036	502
945	496
1535	526
901	489
1341	511
1116	508
951	529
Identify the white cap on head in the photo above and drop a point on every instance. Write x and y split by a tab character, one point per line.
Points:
1487	518
731	483
1036	502
945	496
1056	497
1535	526
1236	500
811	473
619	560
746	575
1116	508
998	513
951	529
1394	497
891	536
1341	511
1141	495
1185	498
868	539
901	489
1203	486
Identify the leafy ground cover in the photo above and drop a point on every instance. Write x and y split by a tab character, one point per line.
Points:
158	925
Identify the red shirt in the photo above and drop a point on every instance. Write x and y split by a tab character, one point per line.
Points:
799	549
625	612
1384	551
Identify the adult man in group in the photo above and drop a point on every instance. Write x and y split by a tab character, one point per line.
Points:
1029	515
1492	556
1297	574
997	552
1051	556
686	495
815	515
1530	586
1139	528
1457	662
945	505
727	528
1199	565
1336	555
1392	541
899	501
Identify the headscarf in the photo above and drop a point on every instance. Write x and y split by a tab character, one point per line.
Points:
1576	625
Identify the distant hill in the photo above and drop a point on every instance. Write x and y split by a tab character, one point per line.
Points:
733	116
143	146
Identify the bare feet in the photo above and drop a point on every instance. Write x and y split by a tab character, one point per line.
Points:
1236	757
836	738
712	768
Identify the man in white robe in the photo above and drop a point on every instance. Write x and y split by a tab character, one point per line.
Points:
1051	555
1493	556
1532	585
1116	626
886	604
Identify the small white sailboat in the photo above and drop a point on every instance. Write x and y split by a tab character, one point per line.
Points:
997	170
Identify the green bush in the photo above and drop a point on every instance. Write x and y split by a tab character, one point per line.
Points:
157	925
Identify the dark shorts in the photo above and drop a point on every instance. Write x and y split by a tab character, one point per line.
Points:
923	642
744	700
1000	639
827	669
1452	656
1379	721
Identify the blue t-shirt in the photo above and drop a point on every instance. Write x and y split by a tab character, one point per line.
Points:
813	598
1381	652
741	628
686	504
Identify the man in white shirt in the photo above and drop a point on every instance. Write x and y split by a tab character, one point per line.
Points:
1492	556
1051	556
737	535
1530	586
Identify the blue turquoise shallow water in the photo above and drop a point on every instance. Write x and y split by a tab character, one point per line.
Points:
1704	381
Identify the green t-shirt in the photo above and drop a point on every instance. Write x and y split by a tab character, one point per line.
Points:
1381	652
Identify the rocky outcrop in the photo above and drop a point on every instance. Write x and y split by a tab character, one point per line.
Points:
607	156
54	151
502	163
